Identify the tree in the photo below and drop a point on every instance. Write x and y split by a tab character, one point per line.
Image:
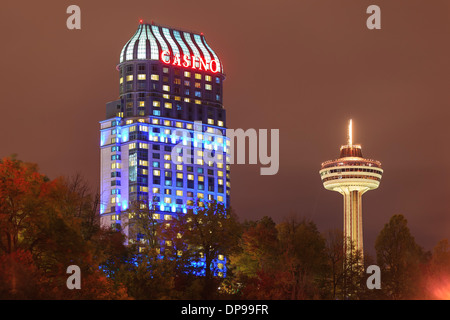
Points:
304	252
259	248
210	229
335	254
435	280
22	192
45	226
399	258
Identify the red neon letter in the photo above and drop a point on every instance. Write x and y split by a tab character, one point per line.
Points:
203	64
194	60
216	64
164	54
186	60
176	60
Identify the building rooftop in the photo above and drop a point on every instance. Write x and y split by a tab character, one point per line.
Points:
151	40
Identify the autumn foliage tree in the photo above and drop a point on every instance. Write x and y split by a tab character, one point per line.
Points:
284	261
45	226
400	259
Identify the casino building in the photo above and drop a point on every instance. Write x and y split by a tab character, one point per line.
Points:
170	81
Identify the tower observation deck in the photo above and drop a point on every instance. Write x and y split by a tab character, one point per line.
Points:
351	175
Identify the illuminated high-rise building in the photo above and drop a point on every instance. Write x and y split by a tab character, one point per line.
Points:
352	176
170	81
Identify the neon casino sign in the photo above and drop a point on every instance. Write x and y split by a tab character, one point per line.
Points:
193	62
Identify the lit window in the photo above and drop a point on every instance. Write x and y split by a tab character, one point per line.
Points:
201	178
155	190
198	102
220	265
167	200
187	100
210	121
166	96
180	192
167	122
143	163
129	121
187	74
167	216
130	78
166	88
220	182
156	104
179	167
155	121
143	189
143	145
179	124
154	77
141	103
208	86
156	172
141	76
168	105
208	78
220	173
143	128
167	157
121	80
189	126
156	216
200	161
167	165
198	76
221	257
132	146
166	70
115	165
190	177
200	195
220	123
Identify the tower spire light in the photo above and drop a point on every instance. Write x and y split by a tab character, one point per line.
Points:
350	133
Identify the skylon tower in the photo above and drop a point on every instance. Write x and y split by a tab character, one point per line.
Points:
351	175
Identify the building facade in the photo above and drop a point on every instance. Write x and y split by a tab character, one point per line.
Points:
163	142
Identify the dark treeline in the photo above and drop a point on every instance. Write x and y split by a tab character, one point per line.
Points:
47	225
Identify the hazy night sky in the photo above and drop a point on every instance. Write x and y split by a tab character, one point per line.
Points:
304	67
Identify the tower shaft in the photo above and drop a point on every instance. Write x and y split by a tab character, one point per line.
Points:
353	228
